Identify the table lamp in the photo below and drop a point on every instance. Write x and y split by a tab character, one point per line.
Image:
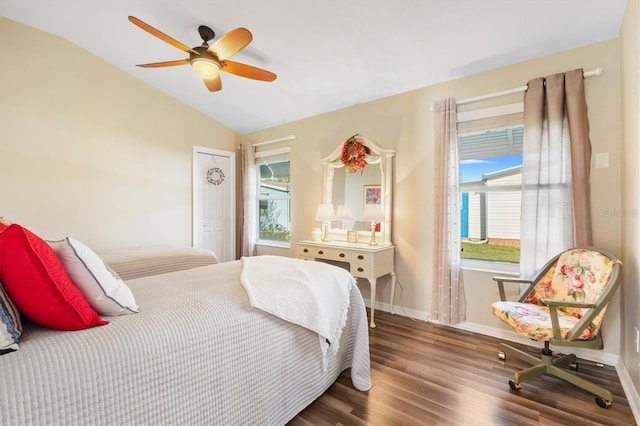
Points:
373	213
325	214
344	213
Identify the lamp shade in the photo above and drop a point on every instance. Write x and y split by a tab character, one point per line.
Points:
344	213
325	213
373	213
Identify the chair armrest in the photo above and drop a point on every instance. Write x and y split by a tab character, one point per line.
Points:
553	312
502	280
568	304
512	280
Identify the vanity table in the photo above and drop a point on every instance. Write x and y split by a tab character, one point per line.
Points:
351	189
364	261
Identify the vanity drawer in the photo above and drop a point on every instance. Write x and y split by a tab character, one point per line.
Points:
304	251
329	253
360	269
361	257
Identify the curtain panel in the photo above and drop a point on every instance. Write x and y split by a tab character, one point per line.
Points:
448	300
556	211
248	196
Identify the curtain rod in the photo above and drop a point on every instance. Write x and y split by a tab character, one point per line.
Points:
285	138
596	71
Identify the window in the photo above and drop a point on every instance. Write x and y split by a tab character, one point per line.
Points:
490	156
274	197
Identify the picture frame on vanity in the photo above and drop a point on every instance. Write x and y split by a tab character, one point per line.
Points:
352	236
372	194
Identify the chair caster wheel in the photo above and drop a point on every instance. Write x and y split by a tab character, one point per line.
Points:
603	403
516	387
502	356
574	366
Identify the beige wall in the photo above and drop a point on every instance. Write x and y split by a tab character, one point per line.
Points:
91	152
630	213
404	122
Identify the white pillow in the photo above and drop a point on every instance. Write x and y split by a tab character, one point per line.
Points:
101	286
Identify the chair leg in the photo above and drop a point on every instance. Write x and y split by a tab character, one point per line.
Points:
547	364
529	373
524	356
582	383
565	360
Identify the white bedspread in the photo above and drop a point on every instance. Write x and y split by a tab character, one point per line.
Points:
197	353
313	295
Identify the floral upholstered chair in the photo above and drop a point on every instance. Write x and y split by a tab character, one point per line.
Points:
563	305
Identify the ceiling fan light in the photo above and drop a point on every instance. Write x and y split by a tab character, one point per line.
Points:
205	68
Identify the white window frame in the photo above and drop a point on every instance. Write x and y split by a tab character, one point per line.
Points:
490	266
284	153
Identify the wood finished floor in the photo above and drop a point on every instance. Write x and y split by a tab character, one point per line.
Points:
426	374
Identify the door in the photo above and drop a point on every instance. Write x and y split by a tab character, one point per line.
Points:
214	201
465	216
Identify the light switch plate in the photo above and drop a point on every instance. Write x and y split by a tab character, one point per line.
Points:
602	160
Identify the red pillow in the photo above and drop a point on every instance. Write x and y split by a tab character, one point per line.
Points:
2	227
38	284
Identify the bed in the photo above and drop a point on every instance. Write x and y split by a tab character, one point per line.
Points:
196	353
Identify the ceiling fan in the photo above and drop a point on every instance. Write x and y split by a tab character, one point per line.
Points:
207	61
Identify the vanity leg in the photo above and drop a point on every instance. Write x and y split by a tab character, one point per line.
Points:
372	282
393	291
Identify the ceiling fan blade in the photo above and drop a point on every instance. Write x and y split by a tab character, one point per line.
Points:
165	64
213	84
162	36
247	71
231	43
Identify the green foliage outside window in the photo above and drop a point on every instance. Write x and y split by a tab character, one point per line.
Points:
270	229
492	252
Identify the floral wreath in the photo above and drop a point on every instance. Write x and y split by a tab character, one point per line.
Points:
215	176
353	155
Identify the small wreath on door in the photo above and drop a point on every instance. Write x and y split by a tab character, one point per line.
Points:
215	176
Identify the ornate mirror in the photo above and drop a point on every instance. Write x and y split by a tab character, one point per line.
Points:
348	181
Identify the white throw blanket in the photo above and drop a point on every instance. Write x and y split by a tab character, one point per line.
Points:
314	295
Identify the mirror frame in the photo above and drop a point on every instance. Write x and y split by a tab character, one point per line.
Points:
378	157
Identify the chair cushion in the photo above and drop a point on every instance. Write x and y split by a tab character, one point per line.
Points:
534	321
542	290
579	275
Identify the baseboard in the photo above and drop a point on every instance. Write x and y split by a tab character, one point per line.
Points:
400	310
629	390
594	355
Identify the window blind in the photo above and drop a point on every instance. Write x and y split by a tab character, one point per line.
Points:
493	143
274	163
272	156
490	132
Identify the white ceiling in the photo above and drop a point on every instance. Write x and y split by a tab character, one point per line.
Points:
327	54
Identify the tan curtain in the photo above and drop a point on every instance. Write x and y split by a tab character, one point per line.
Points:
556	212
448	302
247	211
580	155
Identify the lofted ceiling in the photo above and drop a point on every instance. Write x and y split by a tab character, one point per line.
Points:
327	54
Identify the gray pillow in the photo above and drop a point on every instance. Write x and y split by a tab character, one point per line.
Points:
10	324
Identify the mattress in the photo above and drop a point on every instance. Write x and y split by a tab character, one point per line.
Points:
196	353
